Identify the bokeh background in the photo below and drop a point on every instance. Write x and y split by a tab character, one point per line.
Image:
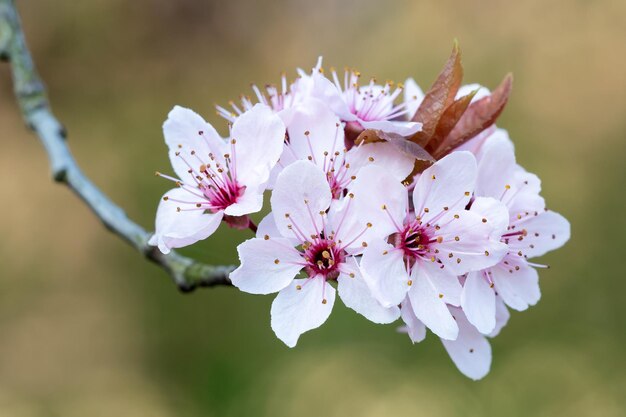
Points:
87	327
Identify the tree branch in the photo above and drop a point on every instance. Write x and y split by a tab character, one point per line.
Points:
30	93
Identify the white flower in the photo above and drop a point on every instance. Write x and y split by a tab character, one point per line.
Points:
529	230
215	177
431	246
310	231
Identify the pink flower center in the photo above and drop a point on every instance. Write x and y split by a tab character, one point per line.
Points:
222	195
323	258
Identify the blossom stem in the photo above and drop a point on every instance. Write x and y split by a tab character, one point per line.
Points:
30	93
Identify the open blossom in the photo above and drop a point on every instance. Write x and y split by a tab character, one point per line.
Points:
432	244
216	178
311	232
371	106
316	134
529	230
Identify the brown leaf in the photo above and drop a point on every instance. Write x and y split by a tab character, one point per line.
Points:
404	145
449	119
478	117
439	97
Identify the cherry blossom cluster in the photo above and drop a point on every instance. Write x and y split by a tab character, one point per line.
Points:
408	205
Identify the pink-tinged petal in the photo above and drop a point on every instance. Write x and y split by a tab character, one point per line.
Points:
372	190
176	229
496	166
267	227
385	273
516	282
383	154
502	317
545	232
470	352
304	305
286	159
495	212
448	183
250	201
356	295
186	131
413	96
478	300
326	91
468	245
429	303
414	328
267	265
259	135
391	126
315	133
468	88
300	194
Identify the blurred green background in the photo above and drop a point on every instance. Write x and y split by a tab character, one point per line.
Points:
88	328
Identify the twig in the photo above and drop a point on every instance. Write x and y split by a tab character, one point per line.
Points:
30	93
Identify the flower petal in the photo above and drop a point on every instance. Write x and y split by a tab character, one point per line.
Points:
496	165
304	305
428	304
267	265
186	131
413	96
396	163
175	229
470	352
259	135
502	317
250	201
300	194
545	232
495	212
356	295
414	328
384	271
519	288
402	128
448	183
478	300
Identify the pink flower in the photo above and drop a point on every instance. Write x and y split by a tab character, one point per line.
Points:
316	134
371	106
432	244
528	229
308	231
215	177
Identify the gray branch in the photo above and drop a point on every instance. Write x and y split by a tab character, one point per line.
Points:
30	93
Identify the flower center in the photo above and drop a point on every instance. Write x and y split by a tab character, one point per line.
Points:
222	194
414	240
323	258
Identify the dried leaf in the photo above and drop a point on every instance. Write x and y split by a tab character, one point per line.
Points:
449	119
478	117
439	97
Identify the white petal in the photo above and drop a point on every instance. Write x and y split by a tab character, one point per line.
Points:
545	232
470	242
414	328
385	273
267	227
413	96
250	201
496	165
326	91
302	306
383	154
356	295
470	352
478	300
502	317
519	288
301	193
495	212
175	229
259	135
447	183
400	127
267	266
186	131
428	304
325	133
372	189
